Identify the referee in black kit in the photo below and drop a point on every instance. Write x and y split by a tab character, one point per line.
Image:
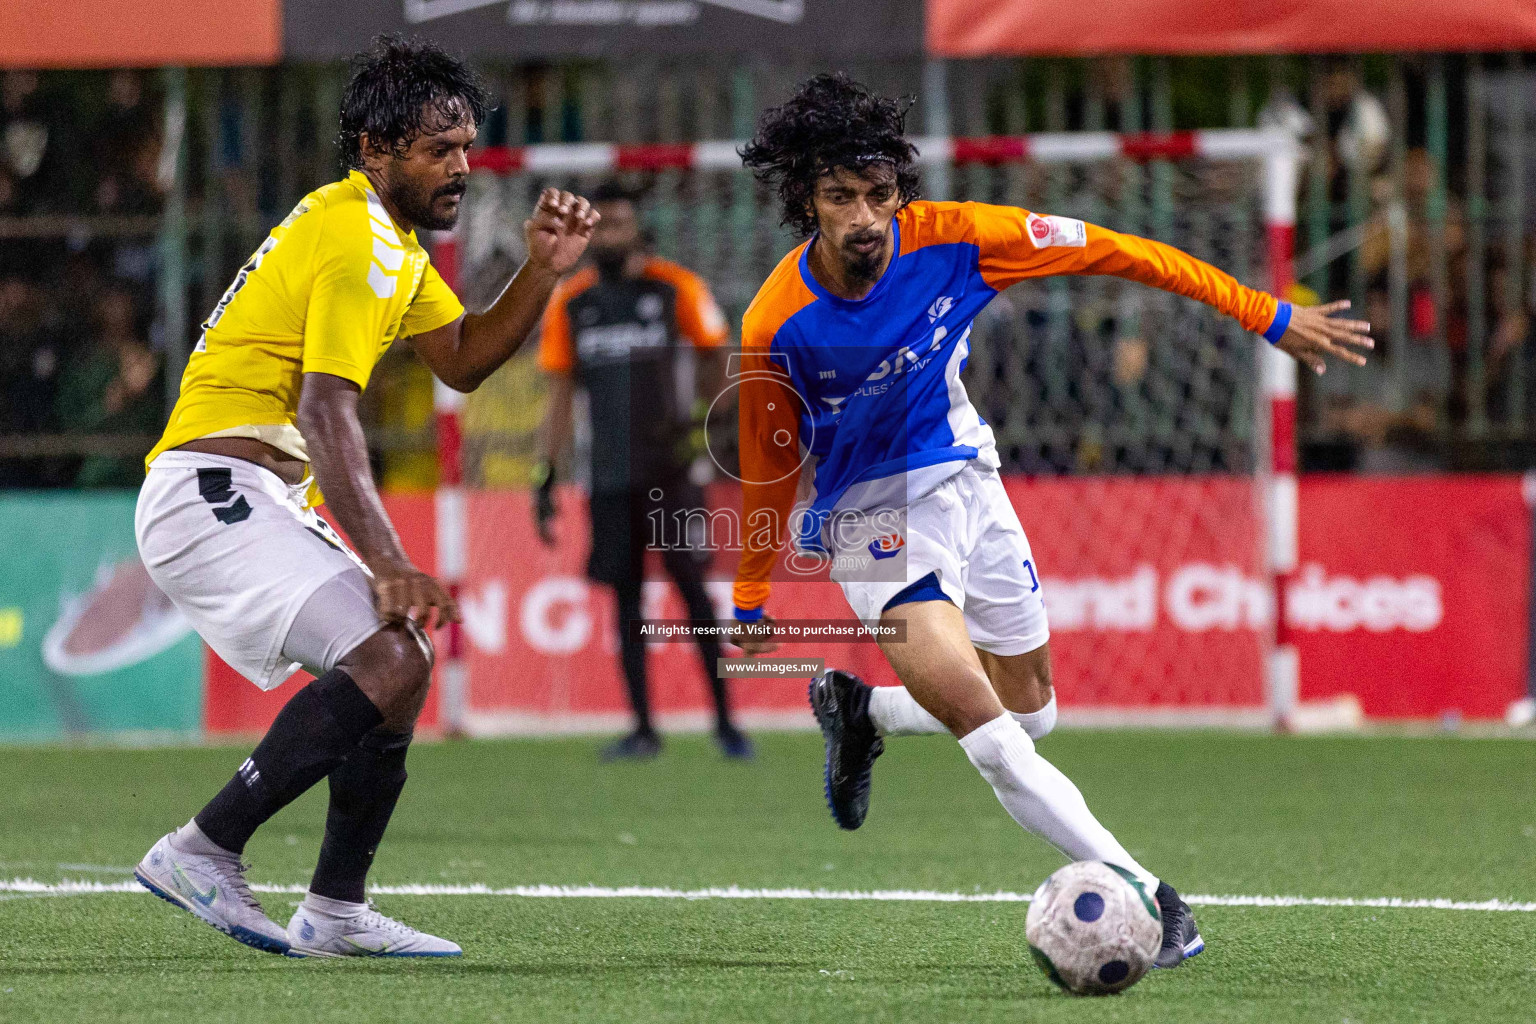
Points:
616	328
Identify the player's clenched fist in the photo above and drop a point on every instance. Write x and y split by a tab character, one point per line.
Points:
558	232
405	592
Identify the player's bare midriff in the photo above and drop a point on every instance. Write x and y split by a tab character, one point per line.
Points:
289	469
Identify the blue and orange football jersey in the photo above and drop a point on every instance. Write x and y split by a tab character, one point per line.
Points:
859	404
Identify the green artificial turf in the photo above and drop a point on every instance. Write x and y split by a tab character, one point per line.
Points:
1214	813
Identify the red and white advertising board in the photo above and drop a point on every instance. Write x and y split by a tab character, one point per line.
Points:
1411	594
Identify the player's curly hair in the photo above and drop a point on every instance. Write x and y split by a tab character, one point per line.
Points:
831	121
404	88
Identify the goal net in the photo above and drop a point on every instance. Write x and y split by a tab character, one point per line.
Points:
1134	428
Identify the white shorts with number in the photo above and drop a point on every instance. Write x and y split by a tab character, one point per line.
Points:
965	531
239	553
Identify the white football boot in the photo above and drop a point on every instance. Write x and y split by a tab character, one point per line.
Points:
326	927
212	886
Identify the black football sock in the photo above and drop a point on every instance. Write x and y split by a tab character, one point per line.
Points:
632	654
313	733
364	790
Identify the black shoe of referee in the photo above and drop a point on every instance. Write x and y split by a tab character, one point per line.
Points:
640	745
841	702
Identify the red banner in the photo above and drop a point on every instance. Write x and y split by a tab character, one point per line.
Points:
1411	595
138	33
961	28
1153	589
542	641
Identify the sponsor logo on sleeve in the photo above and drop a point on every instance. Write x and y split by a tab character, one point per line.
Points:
1046	232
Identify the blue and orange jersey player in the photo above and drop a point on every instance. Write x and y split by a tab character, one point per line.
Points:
858	440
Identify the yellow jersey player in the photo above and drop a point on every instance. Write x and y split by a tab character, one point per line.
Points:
226	523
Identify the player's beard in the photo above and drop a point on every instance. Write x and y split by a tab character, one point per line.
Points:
419	206
611	261
862	266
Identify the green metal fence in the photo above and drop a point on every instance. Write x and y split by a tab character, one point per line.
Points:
1413	204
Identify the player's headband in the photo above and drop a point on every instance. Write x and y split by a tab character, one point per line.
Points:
860	160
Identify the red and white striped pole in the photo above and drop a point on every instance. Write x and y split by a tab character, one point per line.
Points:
451	515
1282	170
1041	147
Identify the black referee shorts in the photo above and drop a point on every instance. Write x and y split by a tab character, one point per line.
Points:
626	523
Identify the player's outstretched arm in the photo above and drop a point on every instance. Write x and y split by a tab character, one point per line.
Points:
1314	334
338	456
1016	244
464	353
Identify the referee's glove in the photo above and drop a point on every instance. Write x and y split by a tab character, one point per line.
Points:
543	480
695	442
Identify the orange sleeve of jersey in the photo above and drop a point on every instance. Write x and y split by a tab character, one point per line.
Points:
1015	244
698	315
770	459
556	352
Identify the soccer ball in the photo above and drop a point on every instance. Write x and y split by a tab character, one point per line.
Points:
1093	928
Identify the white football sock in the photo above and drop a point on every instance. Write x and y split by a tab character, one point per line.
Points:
1041	799
333	908
1038	723
190	839
896	713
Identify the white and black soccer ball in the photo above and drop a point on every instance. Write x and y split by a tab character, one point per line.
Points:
1093	928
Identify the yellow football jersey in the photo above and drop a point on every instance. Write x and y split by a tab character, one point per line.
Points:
329	291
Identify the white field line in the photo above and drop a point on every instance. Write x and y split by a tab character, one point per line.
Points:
32	887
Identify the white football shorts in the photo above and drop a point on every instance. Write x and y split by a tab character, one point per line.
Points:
964	530
239	553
